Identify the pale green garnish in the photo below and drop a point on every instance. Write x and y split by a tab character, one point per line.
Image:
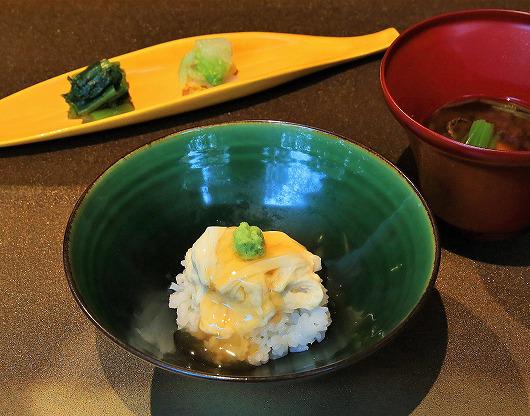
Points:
208	64
249	242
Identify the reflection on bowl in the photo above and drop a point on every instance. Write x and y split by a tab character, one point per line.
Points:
479	53
131	228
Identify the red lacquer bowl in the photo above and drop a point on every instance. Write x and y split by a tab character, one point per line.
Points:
475	53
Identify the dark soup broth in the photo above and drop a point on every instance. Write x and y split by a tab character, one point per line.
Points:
499	125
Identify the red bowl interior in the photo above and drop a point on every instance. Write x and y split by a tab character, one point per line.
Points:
450	57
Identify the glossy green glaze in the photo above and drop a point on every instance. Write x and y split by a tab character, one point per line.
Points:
132	228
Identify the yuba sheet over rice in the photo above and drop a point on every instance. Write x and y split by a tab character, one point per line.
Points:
250	310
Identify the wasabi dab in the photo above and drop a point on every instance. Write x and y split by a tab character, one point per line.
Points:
249	242
207	65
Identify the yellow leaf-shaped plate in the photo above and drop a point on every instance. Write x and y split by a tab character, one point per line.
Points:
263	60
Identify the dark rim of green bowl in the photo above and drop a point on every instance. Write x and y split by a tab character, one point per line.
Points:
204	375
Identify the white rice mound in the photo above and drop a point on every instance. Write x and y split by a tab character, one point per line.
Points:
294	332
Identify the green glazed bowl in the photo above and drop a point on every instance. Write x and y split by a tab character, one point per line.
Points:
130	230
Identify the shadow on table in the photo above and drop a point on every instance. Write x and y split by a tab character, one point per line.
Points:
180	121
514	251
503	267
484	377
394	381
407	164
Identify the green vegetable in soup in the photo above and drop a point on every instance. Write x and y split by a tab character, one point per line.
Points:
480	134
249	242
497	124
